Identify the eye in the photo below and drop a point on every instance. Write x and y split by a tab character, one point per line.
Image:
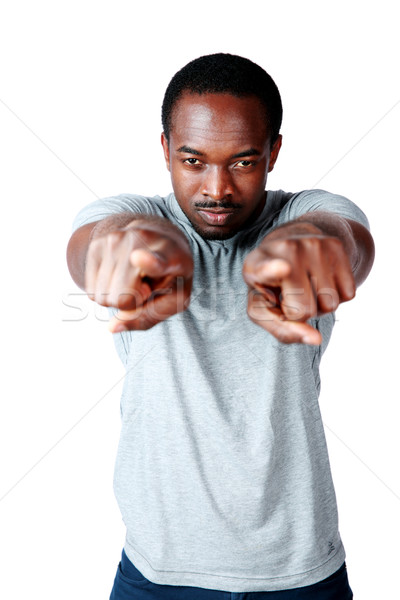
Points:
192	161
245	163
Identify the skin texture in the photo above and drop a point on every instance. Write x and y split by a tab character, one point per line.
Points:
219	157
143	266
295	274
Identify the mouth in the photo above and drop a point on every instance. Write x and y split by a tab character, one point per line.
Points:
217	217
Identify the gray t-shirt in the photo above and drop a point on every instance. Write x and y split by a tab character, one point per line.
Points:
222	474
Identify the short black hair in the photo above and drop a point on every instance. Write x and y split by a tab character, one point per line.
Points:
225	73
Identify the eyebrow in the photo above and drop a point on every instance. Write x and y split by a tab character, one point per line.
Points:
249	152
189	150
244	153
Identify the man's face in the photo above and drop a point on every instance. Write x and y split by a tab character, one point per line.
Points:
219	156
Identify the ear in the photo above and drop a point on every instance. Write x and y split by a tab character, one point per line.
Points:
274	153
165	146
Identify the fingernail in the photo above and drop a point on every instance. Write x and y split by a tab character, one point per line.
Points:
119	328
306	339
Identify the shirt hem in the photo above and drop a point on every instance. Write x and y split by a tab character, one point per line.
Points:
235	584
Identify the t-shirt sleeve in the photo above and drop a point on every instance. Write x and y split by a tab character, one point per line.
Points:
313	200
102	208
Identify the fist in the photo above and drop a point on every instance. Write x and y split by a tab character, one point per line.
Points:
294	278
145	270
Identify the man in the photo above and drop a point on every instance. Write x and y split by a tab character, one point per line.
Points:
222	296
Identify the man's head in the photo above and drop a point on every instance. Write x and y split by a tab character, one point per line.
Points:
225	74
221	117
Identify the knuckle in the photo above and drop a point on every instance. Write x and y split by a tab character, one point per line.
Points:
336	249
297	308
293	311
328	300
335	242
102	298
91	255
311	244
285	247
306	313
327	307
120	301
113	240
350	293
94	244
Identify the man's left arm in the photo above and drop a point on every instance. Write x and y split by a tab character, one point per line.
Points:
303	269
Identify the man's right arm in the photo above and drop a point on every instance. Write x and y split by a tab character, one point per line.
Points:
140	264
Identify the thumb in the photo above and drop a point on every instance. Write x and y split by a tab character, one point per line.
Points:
149	263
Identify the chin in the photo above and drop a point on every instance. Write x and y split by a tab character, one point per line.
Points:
216	234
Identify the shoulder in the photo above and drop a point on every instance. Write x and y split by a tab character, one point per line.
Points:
135	203
300	203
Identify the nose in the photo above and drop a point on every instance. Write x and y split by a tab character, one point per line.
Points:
217	183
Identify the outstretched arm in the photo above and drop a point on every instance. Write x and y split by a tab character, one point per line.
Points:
303	269
140	264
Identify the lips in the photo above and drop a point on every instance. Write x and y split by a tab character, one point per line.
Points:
216	217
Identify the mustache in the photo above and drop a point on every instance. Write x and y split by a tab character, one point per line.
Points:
223	204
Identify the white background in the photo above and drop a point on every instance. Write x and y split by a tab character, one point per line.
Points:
81	84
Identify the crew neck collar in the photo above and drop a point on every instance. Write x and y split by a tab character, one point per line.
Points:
182	218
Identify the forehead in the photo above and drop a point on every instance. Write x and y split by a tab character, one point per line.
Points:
220	118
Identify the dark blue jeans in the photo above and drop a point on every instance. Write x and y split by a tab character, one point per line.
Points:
130	584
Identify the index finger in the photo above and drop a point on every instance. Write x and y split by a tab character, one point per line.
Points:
273	320
159	307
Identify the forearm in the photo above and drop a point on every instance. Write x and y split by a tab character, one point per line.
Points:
356	239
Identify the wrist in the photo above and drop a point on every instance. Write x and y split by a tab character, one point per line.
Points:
160	226
110	224
296	229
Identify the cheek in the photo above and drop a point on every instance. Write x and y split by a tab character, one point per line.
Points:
261	180
251	186
184	181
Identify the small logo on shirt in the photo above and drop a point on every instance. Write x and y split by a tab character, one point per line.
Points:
331	548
